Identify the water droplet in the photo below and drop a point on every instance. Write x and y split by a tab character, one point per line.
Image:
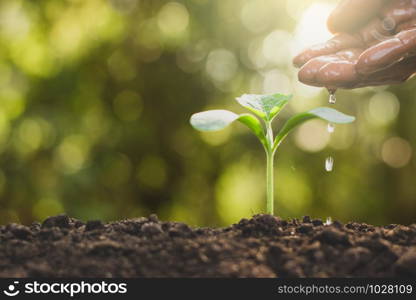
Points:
332	98
329	164
328	221
331	128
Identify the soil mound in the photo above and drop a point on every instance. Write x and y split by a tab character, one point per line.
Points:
263	246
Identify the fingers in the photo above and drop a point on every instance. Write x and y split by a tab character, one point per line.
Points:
375	31
337	74
336	70
351	15
406	25
396	16
399	11
397	73
379	25
388	58
335	44
307	74
387	53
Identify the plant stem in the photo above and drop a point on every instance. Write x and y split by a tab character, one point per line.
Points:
269	182
269	168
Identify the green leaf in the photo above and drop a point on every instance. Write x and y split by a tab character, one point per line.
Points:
264	106
214	120
325	113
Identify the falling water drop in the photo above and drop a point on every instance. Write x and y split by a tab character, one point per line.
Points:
331	128
329	164
328	221
332	98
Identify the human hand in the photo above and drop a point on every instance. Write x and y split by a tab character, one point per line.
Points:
376	45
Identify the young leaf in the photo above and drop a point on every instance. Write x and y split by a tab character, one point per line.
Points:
264	106
325	113
213	120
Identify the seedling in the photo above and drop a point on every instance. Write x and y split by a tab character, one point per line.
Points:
266	108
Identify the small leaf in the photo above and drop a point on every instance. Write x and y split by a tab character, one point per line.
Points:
332	115
214	120
264	106
254	124
325	113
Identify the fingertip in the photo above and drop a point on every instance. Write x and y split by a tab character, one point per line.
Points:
305	56
308	54
307	74
327	48
299	60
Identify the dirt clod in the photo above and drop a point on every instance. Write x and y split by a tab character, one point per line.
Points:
61	221
93	225
20	231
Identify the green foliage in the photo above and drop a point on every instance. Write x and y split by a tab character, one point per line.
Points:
325	113
213	120
266	107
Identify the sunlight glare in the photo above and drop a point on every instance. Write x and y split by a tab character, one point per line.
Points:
311	28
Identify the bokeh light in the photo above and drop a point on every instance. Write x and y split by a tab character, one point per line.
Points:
383	108
311	28
312	136
173	19
221	65
396	152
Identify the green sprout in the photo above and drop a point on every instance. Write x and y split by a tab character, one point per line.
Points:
266	108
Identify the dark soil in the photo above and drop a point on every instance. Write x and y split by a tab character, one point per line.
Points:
264	246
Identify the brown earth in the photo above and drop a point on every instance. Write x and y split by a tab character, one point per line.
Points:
264	246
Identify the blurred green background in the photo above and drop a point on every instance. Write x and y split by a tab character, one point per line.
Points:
95	100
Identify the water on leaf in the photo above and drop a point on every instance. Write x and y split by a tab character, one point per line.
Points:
329	163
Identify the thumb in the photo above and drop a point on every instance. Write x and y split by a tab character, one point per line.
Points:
351	15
